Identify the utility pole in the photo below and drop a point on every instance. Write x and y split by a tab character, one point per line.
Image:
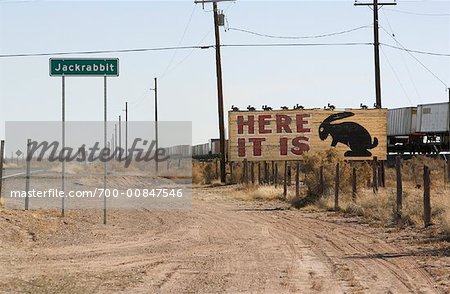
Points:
126	129
376	44
156	126
115	141
217	23
220	95
120	138
448	138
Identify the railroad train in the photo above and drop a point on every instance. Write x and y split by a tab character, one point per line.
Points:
205	151
419	129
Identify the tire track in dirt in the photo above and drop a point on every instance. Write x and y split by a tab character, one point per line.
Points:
366	257
218	246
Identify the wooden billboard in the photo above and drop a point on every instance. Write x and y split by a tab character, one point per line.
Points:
359	134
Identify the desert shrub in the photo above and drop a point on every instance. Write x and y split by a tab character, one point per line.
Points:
258	193
328	160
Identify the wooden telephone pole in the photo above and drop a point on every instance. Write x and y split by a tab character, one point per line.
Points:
126	130
448	138
217	24
376	44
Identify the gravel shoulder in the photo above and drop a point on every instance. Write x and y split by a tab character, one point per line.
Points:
220	245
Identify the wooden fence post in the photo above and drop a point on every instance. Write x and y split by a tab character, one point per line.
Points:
375	175
259	172
275	174
217	170
266	173
231	172
252	172
321	181
289	175
285	181
448	161
383	175
398	171
336	189
445	173
297	179
2	150
426	197
354	184
245	172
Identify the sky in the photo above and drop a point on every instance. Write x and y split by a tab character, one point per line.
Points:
312	76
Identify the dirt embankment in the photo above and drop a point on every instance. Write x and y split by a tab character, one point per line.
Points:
221	245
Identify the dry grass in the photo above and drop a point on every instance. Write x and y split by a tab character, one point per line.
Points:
8	165
258	193
375	208
380	207
328	160
203	173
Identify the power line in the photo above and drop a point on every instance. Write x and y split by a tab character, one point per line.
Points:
376	45
415	51
175	48
106	51
414	57
213	46
185	57
411	79
192	50
396	76
296	44
181	40
299	37
417	13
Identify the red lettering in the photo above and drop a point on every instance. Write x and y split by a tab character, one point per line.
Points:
300	145
263	121
250	123
283	122
302	120
257	148
283	146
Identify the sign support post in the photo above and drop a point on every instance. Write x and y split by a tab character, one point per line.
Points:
105	123
27	175
63	139
156	127
86	67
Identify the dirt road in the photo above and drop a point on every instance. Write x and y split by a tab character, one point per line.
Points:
221	245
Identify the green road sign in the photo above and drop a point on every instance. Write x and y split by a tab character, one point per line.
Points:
84	67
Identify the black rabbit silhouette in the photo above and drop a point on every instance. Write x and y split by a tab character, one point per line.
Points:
351	134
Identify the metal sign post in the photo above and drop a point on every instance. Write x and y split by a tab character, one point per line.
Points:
27	176
2	150
156	126
105	179
63	138
84	67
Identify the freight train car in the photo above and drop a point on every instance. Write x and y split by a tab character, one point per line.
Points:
208	150
200	150
179	151
421	129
